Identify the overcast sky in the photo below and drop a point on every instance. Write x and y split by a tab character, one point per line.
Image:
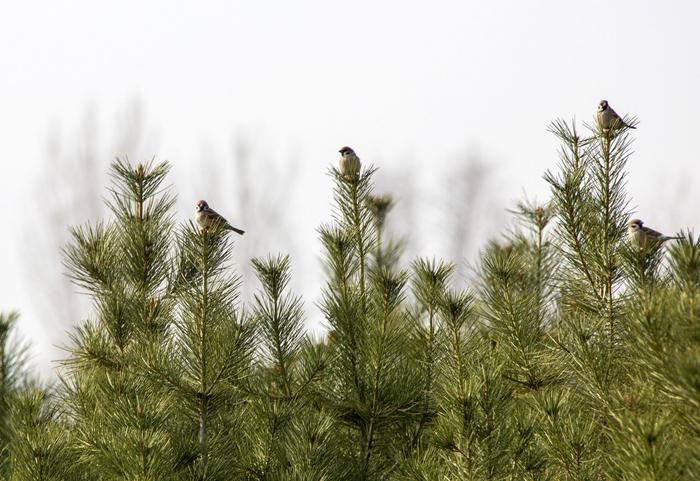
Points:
414	83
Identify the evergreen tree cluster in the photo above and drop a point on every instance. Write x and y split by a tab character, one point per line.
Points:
571	355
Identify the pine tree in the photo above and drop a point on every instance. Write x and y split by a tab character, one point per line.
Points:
657	422
40	448
13	374
205	360
571	355
592	207
286	433
369	389
387	251
429	284
120	418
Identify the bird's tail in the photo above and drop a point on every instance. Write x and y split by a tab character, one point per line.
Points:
671	237
237	231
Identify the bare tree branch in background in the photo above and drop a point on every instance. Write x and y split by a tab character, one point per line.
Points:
402	222
70	184
459	213
255	189
473	211
258	192
267	202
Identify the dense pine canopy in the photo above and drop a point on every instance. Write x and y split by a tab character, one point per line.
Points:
571	355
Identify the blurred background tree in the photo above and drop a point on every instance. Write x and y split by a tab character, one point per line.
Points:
462	216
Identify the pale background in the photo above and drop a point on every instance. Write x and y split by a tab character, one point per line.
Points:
251	100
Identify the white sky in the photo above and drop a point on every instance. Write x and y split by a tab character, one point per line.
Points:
395	80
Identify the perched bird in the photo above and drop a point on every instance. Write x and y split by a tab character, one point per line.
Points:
608	118
644	237
349	163
207	217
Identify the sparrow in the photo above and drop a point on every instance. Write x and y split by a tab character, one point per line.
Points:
644	237
207	217
349	163
608	118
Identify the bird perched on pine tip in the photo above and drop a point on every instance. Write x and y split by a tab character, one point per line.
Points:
644	237
349	163
608	118
207	217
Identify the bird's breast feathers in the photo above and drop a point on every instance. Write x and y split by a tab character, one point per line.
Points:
206	218
349	164
637	237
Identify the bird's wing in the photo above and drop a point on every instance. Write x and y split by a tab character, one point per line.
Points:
617	118
216	217
652	233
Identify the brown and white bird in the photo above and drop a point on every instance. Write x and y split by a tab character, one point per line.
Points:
608	118
644	237
349	163
207	217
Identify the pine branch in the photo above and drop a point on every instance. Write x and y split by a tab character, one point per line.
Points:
428	286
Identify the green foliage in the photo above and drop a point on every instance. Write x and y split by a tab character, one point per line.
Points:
13	357
370	388
40	448
571	355
121	419
286	436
